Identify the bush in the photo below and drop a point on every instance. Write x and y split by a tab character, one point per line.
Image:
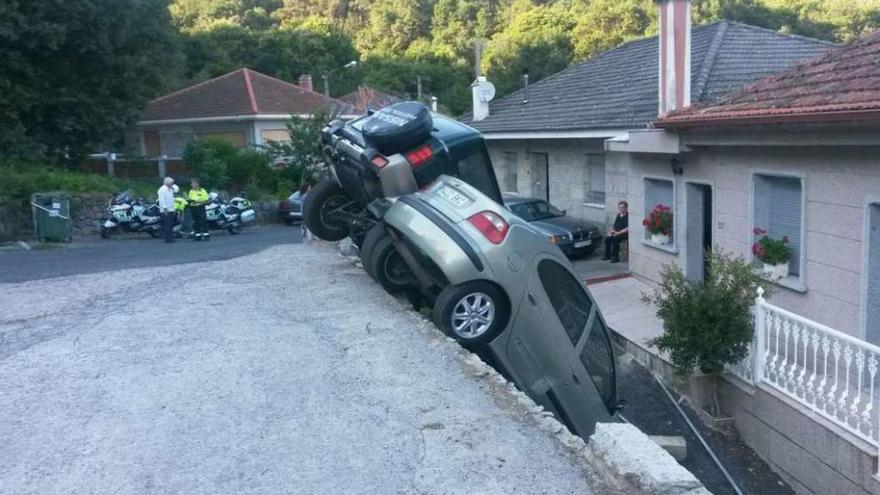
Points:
706	324
209	161
21	179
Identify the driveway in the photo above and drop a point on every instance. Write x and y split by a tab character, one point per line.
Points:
283	371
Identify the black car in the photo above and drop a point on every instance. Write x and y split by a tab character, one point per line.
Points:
390	153
574	237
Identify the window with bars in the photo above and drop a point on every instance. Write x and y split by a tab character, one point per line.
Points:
778	210
509	170
594	179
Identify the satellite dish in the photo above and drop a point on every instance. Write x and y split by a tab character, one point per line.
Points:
486	91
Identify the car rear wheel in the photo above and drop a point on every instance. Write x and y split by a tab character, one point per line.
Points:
366	248
388	267
319	207
472	312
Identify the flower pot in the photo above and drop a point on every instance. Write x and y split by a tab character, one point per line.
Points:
775	272
660	239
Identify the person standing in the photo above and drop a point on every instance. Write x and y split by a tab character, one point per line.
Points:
166	208
198	198
180	209
618	233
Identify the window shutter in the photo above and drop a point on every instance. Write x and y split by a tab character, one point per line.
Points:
785	215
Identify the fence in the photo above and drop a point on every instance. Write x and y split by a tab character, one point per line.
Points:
136	168
829	372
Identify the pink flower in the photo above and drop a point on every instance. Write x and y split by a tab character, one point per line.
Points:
759	231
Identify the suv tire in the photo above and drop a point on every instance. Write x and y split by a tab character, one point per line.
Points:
473	313
387	267
325	196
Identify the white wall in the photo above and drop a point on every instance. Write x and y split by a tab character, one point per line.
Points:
838	183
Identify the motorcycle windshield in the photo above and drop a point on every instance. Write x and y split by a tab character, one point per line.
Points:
123	197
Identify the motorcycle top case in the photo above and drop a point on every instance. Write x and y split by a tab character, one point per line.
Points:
248	216
398	127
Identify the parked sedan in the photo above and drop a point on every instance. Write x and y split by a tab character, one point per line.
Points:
290	209
574	237
496	284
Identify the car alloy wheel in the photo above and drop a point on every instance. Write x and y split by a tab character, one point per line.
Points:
473	315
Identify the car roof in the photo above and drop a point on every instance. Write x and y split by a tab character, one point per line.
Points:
513	199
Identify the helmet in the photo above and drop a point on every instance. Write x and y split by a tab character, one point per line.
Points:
175	189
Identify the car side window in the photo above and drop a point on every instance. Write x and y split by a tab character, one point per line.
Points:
476	170
598	359
567	296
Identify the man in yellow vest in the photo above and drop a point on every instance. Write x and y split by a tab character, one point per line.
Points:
198	198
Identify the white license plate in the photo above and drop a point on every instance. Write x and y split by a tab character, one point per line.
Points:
581	244
453	196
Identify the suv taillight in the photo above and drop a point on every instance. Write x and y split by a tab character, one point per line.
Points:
379	161
492	226
420	156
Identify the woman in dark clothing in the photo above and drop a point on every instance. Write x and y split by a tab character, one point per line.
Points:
618	233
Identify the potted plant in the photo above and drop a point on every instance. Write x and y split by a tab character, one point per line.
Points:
659	224
706	324
773	253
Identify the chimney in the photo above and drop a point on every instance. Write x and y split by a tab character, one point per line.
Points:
525	79
481	103
305	82
675	55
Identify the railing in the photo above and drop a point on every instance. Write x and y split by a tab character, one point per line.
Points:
829	372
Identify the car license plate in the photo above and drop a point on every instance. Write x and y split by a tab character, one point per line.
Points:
453	196
581	244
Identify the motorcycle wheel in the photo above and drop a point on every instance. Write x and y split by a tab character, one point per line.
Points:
105	232
234	230
326	196
155	234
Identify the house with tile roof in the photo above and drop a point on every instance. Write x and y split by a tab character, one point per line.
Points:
367	98
795	157
547	141
244	107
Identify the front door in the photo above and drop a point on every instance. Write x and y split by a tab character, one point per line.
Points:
872	273
539	164
699	229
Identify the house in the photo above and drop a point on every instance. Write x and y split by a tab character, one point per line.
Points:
244	107
547	140
796	154
367	98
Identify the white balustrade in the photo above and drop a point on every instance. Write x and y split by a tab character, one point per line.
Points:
829	372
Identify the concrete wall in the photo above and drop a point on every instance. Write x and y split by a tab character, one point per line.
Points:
838	184
568	175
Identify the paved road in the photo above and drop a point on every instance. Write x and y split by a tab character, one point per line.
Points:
297	375
119	253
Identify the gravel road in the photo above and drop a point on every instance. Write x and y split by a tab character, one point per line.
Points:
284	371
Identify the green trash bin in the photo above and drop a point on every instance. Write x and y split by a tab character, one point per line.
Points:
51	213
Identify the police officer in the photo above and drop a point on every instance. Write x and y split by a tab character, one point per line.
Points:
198	198
180	205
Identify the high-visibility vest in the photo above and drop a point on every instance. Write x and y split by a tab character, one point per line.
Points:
179	204
198	195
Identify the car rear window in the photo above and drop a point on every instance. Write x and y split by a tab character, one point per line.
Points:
598	358
567	296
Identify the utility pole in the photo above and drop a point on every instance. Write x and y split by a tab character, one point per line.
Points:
326	84
419	88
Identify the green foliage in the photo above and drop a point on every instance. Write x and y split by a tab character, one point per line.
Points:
21	179
659	220
604	24
771	251
706	324
209	161
75	73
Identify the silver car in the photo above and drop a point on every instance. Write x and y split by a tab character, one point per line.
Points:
496	284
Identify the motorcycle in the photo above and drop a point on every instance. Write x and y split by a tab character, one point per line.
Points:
131	215
230	216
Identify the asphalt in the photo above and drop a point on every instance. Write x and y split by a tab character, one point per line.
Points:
286	370
136	251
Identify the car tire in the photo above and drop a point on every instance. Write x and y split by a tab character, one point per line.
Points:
234	230
155	234
366	248
325	196
388	268
455	301
105	232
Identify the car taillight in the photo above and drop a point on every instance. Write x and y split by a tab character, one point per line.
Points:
379	161
492	226
420	156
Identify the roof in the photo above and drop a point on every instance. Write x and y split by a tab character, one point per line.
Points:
241	92
366	97
617	89
842	84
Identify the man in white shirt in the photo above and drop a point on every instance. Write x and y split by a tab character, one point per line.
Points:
166	208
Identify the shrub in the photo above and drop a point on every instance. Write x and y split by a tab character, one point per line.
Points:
21	179
771	251
659	220
209	161
706	324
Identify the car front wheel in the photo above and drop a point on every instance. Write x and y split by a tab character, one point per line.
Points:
472	312
388	267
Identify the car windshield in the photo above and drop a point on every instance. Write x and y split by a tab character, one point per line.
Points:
295	196
531	211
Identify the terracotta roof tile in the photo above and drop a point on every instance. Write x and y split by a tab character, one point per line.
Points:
242	92
841	84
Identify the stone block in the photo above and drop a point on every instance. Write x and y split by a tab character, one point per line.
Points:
676	446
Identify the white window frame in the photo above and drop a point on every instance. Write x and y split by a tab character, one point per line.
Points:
504	172
796	283
588	184
871	202
672	247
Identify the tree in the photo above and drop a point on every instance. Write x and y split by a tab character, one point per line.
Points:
303	151
604	24
73	76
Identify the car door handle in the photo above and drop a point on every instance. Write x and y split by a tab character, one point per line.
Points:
576	379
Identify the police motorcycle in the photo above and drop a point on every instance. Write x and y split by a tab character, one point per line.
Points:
230	216
129	214
386	154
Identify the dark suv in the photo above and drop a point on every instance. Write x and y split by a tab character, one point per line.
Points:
395	151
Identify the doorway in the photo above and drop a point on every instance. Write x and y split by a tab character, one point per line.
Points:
698	199
871	273
539	169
